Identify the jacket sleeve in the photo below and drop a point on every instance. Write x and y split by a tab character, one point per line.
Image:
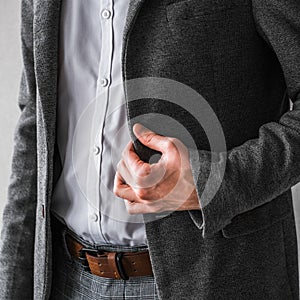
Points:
263	168
17	236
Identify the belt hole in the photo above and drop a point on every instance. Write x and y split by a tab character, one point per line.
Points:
135	271
100	265
133	262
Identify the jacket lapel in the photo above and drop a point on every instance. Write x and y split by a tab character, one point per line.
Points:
46	38
45	45
133	10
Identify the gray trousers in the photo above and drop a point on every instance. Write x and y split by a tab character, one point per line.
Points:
71	281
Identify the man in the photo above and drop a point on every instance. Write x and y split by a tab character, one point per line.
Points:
212	231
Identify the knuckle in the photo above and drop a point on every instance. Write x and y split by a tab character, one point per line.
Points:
142	194
142	171
172	140
139	182
138	172
116	191
148	137
170	143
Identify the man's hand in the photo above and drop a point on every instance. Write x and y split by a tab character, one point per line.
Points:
167	185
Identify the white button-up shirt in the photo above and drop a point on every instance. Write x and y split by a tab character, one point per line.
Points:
91	123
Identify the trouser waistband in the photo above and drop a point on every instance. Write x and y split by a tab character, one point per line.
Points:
110	261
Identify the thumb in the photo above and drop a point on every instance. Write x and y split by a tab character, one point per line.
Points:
150	138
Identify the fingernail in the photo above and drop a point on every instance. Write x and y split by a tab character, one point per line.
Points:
139	129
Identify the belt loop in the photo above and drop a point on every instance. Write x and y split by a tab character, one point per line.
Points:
83	259
112	261
120	266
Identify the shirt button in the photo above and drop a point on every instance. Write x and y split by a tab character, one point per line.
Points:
94	217
104	82
96	150
106	14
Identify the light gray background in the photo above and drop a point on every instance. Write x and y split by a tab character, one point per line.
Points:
10	70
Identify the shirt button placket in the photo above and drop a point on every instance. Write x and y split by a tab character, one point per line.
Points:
103	83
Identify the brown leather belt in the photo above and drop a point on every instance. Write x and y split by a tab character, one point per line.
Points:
117	265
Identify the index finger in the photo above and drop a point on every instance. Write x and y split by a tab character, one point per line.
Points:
134	163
